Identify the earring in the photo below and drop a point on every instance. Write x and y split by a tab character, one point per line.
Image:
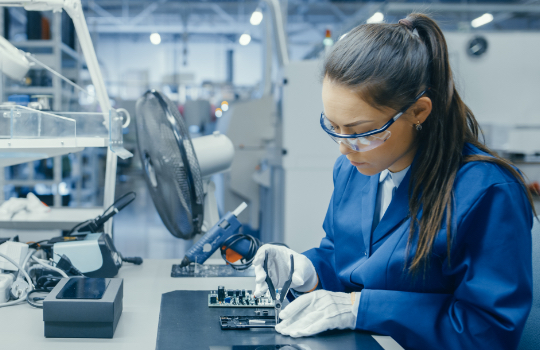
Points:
418	126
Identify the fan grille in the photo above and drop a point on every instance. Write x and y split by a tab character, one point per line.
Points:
176	188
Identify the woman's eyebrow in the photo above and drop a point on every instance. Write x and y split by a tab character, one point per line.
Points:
357	123
350	124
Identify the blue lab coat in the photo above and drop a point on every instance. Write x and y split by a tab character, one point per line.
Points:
480	301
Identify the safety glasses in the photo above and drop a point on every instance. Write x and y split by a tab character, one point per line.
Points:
368	140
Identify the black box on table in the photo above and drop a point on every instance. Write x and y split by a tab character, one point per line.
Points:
83	318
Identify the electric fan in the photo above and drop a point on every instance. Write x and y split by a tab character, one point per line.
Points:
177	170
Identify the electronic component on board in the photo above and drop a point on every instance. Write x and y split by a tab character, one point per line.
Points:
213	297
238	298
221	293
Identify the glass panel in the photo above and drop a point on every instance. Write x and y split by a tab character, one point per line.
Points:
89	124
21	122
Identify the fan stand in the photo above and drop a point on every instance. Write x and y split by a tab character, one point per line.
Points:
211	214
210	218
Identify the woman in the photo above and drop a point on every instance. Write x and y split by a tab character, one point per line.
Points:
458	275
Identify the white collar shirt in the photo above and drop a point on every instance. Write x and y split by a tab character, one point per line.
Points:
388	183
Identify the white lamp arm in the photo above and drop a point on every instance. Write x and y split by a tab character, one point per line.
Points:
74	10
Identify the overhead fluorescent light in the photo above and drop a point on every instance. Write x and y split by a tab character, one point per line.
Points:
256	17
244	39
155	38
377	17
480	21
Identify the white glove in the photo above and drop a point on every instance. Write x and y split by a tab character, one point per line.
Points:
279	264
318	311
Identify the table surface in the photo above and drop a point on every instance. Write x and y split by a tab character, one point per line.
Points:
21	326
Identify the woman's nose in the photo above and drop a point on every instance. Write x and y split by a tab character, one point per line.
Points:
344	149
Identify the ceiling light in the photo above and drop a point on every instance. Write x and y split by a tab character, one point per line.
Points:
155	38
480	21
377	17
244	39
256	17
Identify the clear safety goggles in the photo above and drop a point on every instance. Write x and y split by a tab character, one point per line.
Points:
368	140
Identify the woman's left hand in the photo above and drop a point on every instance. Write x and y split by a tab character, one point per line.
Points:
316	312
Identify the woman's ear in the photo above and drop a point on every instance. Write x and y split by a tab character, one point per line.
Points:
422	109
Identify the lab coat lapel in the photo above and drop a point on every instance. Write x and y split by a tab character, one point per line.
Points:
369	200
397	211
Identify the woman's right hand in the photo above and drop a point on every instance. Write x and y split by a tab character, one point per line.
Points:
304	278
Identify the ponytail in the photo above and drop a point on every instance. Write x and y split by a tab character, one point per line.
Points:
449	127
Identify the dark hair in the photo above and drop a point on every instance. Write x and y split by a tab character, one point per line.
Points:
388	65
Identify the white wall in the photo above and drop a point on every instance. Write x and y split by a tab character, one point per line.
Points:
503	85
310	158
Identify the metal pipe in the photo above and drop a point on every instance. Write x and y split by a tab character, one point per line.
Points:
279	29
266	84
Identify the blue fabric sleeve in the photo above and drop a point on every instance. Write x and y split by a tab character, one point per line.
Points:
491	265
323	256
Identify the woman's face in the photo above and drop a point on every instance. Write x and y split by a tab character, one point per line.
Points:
350	114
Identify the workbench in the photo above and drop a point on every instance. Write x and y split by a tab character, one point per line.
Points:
21	326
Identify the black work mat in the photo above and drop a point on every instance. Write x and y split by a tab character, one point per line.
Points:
210	271
186	322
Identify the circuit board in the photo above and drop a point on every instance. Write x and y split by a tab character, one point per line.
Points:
238	298
197	270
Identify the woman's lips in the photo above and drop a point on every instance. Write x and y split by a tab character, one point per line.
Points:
358	164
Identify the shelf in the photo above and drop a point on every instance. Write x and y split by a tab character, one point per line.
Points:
30	90
69	142
34	43
38	90
56	219
47	44
29	183
17	151
27	134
